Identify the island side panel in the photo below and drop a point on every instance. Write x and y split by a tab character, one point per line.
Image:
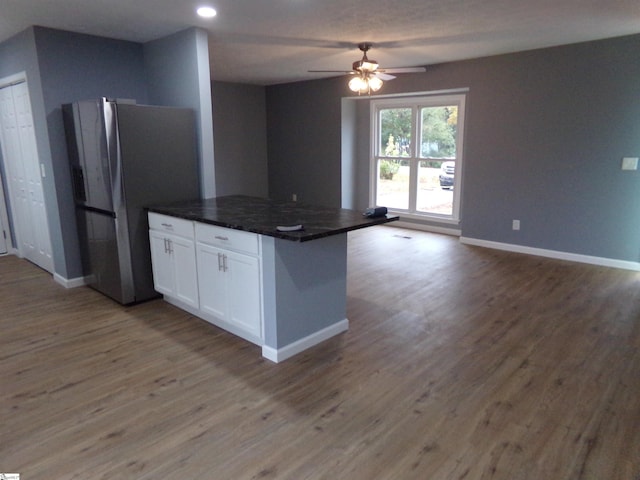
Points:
305	289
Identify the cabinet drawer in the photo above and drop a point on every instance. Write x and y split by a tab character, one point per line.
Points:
165	223
229	238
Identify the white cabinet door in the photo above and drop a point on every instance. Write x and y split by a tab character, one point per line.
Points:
243	277
173	261
183	252
229	286
212	281
161	263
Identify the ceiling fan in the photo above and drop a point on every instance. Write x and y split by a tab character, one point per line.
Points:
367	75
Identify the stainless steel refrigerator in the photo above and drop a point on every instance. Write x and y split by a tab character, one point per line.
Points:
124	157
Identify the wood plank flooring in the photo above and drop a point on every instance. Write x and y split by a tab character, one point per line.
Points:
460	363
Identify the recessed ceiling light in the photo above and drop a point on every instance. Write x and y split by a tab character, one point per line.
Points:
207	12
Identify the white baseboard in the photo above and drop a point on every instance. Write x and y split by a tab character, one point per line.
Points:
425	228
69	282
541	252
280	354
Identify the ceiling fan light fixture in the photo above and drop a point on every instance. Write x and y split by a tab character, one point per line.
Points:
362	84
358	84
365	76
374	83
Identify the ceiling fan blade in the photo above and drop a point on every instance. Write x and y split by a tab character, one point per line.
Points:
331	71
404	70
384	76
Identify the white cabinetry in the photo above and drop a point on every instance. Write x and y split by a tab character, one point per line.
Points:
229	279
173	258
282	295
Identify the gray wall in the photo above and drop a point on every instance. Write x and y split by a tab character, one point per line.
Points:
303	138
545	134
240	130
173	67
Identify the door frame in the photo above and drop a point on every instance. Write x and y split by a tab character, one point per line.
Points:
4	216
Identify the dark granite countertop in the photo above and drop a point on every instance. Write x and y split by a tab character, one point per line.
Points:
260	215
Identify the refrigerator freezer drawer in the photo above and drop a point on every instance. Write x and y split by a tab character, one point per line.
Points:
102	256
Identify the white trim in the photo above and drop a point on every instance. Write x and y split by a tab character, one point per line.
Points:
541	252
280	354
69	282
428	93
456	232
421	218
14	79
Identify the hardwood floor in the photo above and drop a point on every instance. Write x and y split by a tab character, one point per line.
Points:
460	363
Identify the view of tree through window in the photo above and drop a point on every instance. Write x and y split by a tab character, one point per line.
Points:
395	136
416	157
439	125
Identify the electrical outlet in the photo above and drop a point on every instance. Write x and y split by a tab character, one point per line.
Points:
630	163
515	224
294	197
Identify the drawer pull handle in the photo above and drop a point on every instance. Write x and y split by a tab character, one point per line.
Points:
220	237
167	225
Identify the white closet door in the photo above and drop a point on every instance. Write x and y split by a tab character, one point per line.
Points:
25	182
12	154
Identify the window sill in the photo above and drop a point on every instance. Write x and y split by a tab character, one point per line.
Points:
431	218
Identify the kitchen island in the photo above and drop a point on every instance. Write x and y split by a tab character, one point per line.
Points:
227	261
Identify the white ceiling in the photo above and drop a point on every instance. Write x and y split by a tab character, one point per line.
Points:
275	41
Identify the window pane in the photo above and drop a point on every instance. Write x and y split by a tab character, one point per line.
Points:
395	132
393	184
438	132
435	187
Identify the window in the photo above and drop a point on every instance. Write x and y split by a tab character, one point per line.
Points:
417	155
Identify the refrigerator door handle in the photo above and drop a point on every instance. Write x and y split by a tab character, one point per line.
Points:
115	167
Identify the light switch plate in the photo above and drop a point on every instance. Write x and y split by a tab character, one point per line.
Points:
630	163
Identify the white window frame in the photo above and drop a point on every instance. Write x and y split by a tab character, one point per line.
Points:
416	103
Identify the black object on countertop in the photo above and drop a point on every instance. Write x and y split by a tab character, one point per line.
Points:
263	216
375	212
